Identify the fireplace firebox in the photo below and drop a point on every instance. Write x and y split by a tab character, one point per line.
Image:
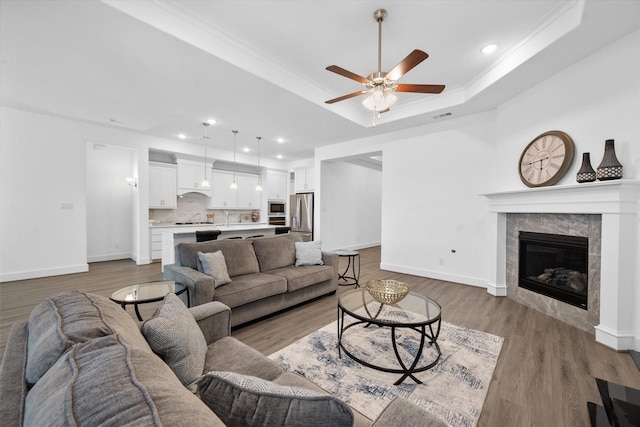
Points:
555	265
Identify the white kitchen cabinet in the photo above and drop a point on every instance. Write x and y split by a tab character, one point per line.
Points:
276	185
303	180
248	197
162	187
156	243
245	197
190	176
222	196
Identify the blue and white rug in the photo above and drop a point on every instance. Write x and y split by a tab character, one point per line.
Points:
454	389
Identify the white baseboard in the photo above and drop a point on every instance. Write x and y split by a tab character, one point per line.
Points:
34	274
471	281
615	339
497	290
108	257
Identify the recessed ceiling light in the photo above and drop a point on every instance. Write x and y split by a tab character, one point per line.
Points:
182	136
280	140
490	48
279	156
211	121
246	149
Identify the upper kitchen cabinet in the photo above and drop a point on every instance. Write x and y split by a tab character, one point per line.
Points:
162	186
277	185
248	197
190	177
222	196
245	197
303	180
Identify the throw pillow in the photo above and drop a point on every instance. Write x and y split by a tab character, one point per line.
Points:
229	395
309	253
214	265
176	337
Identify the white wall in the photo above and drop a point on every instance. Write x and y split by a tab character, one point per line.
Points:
351	206
434	223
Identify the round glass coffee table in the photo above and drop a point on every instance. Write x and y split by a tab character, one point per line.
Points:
415	312
144	293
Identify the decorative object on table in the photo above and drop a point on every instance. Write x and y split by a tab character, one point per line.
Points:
546	159
255	216
586	172
610	167
455	389
387	291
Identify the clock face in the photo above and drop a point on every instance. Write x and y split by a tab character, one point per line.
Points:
546	159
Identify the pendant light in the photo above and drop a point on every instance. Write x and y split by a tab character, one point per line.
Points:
234	183
259	184
205	181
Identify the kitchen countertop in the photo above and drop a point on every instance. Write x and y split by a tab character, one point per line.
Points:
211	226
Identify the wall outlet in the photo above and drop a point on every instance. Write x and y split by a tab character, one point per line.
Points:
66	206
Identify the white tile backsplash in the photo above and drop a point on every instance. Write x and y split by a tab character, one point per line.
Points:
192	207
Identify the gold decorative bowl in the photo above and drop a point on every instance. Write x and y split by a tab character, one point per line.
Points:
387	291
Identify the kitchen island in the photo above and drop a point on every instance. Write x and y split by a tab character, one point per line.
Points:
174	234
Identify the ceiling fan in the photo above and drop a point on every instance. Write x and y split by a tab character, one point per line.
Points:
380	85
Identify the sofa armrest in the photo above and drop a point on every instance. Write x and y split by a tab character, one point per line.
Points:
214	320
201	286
331	258
13	387
402	412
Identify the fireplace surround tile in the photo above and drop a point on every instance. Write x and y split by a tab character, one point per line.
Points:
585	225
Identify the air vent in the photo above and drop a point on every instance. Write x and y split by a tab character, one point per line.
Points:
443	115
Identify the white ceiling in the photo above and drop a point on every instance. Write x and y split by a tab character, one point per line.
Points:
162	67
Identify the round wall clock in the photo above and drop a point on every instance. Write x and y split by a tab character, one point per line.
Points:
546	159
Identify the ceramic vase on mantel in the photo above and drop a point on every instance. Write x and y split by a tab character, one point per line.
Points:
610	167
586	172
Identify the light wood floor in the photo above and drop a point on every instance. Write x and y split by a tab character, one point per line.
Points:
545	373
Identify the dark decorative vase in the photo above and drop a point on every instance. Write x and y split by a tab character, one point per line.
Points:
610	167
586	172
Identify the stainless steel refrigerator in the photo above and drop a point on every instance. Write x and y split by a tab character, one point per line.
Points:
301	214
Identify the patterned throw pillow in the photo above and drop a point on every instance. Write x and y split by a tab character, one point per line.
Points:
309	253
230	395
214	265
176	337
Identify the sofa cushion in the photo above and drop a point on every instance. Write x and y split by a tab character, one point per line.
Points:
174	335
309	253
107	382
301	277
249	288
67	318
229	395
238	254
231	354
214	265
275	252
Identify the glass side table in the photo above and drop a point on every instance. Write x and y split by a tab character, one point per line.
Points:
145	293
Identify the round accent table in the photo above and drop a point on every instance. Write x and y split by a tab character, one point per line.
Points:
145	293
415	314
354	279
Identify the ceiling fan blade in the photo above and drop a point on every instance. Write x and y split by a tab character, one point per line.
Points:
413	59
347	73
342	98
419	88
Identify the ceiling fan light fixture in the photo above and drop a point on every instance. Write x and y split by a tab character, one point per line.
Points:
379	100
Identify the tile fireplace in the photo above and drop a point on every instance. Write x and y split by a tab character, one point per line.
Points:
608	214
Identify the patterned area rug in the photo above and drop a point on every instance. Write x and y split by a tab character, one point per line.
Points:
454	389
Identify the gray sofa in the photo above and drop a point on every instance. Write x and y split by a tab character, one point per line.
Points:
264	279
82	360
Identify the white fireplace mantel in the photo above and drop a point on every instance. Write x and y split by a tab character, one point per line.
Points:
619	204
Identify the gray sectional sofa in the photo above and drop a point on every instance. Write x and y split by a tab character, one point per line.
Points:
264	278
82	360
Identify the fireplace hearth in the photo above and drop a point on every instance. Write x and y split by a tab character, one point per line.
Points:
554	265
